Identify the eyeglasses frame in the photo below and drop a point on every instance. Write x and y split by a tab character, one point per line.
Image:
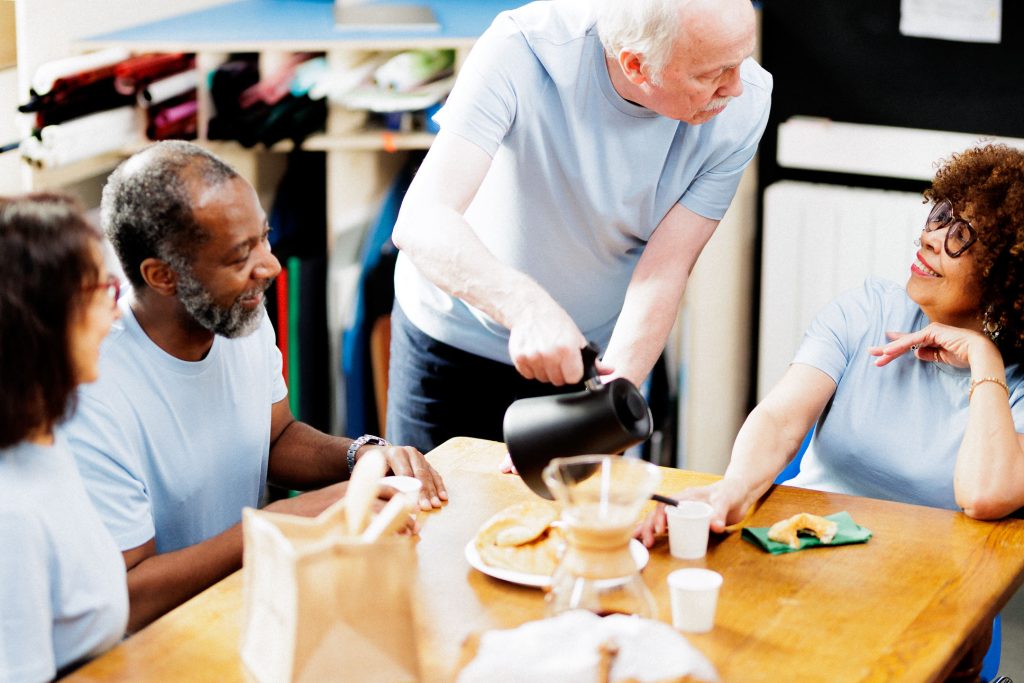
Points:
112	286
949	223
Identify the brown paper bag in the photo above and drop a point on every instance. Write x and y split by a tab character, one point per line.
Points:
321	606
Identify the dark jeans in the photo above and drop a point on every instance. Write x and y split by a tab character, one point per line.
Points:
436	391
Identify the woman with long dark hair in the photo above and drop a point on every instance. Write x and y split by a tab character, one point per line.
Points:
63	594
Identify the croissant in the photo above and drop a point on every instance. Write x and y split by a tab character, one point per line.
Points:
787	530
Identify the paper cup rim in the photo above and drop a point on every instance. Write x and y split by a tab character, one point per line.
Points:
694	579
402	483
694	509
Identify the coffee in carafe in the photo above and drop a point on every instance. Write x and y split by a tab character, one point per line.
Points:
601	498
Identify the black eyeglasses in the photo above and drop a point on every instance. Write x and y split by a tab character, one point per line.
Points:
111	287
961	234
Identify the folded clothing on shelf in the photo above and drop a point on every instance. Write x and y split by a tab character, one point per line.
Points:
171	87
61	73
81	138
135	73
252	112
174	120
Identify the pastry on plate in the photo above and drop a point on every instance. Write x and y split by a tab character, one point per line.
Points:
521	538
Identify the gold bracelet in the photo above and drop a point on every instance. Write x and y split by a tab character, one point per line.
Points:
976	382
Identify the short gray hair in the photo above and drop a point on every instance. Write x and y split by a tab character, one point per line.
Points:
647	27
146	209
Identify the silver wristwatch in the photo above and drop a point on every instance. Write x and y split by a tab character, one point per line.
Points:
359	443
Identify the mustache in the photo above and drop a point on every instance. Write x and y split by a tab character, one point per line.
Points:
260	288
716	103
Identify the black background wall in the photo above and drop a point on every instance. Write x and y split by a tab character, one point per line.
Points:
846	60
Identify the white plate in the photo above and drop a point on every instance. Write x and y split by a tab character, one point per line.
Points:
636	549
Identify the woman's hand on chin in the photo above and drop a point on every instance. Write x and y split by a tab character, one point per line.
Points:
955	346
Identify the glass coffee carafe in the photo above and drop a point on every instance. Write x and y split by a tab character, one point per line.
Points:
601	497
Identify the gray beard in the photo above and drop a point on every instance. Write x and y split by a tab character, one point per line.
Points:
235	321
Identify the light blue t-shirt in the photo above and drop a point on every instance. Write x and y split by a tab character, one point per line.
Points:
579	177
890	432
63	592
171	448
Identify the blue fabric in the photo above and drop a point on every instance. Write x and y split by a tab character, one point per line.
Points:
877	437
173	449
990	665
793	468
63	593
580	178
377	253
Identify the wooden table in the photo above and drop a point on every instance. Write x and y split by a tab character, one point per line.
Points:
903	606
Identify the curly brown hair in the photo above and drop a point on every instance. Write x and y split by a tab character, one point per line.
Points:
987	183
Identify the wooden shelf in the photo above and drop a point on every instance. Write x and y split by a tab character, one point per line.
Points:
54	178
369	140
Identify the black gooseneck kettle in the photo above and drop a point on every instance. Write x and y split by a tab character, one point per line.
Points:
603	418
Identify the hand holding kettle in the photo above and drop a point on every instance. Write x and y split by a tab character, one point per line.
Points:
603	419
544	343
588	358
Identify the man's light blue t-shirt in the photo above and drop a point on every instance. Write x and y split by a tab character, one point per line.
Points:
63	591
174	449
890	432
579	177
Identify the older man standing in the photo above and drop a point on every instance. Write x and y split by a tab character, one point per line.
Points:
586	155
190	418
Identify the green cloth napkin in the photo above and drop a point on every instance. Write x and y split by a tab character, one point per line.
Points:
849	532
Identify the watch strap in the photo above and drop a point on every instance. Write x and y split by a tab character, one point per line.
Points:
359	443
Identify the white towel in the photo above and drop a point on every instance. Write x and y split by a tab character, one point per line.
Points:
106	131
167	88
47	74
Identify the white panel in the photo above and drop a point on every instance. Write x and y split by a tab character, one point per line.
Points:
887	151
783	236
818	241
712	347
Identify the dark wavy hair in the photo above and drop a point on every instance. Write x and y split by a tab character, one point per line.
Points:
987	183
146	208
48	264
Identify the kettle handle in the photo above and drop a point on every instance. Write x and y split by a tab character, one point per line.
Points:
589	353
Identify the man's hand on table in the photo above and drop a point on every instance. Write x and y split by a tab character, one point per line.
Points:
727	498
409	462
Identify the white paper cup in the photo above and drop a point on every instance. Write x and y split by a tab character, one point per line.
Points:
694	596
408	487
688	525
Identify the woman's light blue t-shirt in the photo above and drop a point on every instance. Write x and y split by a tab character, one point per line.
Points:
889	432
63	591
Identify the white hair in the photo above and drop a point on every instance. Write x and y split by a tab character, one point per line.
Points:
646	27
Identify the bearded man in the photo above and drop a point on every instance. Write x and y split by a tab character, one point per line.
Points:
190	419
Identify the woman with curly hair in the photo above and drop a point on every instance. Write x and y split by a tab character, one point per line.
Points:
916	393
63	592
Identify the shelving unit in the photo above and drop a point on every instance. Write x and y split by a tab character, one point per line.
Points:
358	159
